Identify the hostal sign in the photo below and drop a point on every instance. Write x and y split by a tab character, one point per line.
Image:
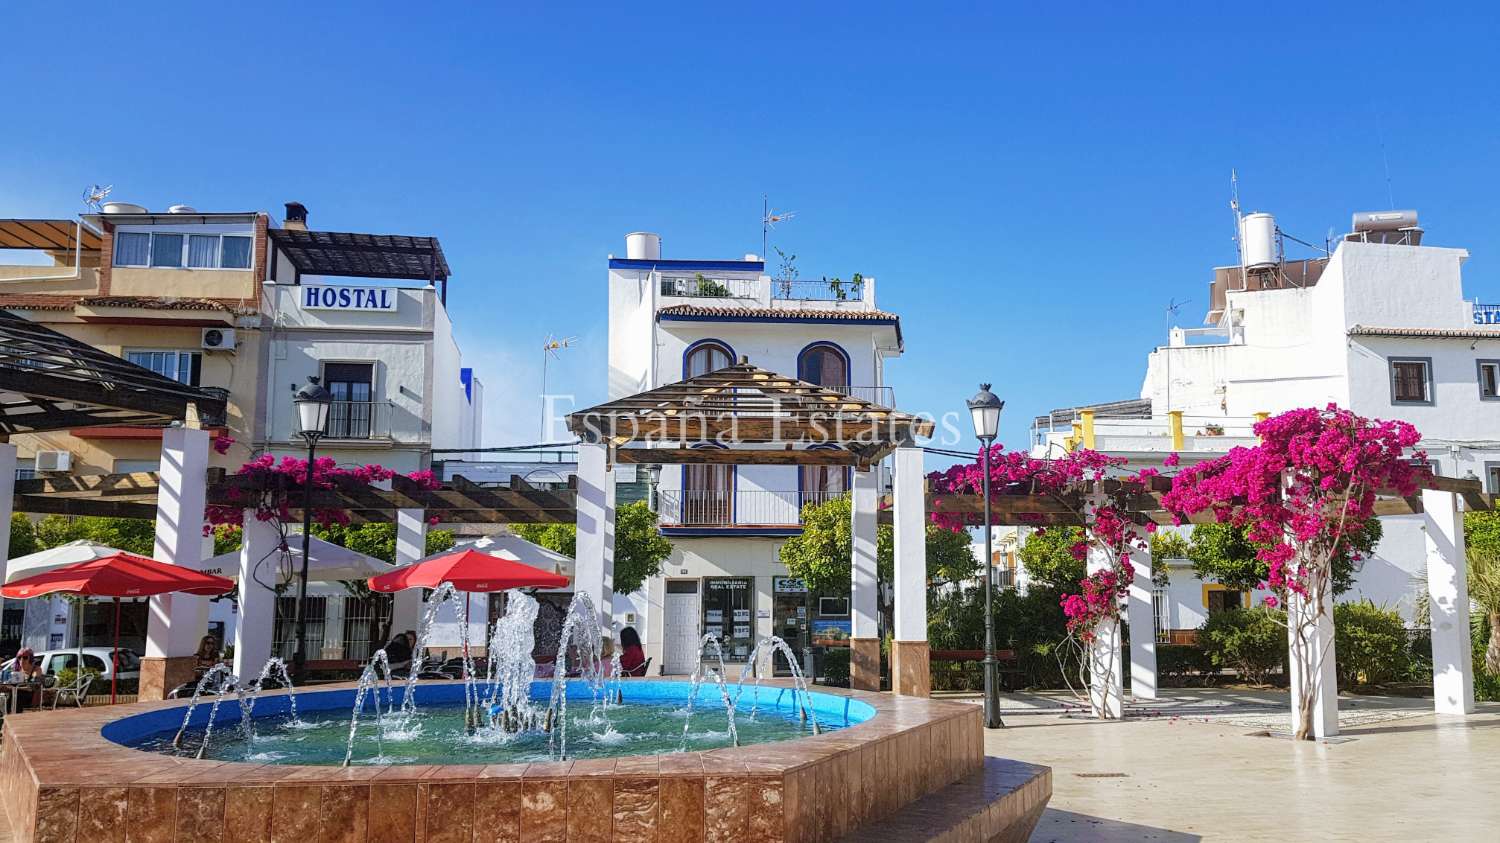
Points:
322	297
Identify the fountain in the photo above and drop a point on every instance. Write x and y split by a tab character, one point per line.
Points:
502	720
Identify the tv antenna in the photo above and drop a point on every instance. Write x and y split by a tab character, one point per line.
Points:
769	217
95	195
549	351
1173	306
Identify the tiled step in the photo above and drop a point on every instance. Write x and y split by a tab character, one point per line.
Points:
1000	804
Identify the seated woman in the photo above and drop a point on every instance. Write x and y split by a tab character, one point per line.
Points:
27	671
398	652
207	655
632	656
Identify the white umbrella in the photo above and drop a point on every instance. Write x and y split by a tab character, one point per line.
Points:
329	563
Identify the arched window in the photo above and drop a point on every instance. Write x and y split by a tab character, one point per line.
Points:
824	364
707	492
706	356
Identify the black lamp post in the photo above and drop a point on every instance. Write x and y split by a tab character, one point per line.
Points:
985	409
313	403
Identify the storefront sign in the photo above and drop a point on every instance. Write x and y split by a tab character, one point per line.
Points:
323	297
789	585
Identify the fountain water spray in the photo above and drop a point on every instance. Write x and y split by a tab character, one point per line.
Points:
224	674
511	667
582	633
699	674
369	679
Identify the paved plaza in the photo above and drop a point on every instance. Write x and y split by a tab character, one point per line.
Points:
1196	769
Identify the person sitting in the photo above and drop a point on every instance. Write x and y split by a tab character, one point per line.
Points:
399	651
207	655
27	671
632	657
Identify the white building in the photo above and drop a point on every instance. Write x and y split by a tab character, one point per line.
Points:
367	314
671	319
1381	326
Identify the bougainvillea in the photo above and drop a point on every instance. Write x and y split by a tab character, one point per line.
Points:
1096	490
1302	496
269	487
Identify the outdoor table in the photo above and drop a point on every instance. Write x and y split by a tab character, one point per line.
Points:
12	692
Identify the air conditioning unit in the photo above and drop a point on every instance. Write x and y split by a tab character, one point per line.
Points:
53	461
218	339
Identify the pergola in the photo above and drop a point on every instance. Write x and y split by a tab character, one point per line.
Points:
745	415
356	255
1436	502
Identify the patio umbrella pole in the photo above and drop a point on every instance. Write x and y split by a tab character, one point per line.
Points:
114	671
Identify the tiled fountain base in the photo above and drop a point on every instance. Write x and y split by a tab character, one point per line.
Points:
61	780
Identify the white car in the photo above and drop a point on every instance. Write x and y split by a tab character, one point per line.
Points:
98	659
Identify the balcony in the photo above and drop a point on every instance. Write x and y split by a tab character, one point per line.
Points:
700	286
741	509
764	292
358	421
831	289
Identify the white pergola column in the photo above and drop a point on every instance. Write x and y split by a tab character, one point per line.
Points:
1317	637
7	503
260	565
1141	615
177	621
911	673
411	545
864	601
594	568
1448	601
1106	679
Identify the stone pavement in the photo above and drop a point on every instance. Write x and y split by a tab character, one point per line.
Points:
1195	771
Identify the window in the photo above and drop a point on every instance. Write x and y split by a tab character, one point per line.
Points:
166	250
1492	477
824	364
1219	599
822	483
833	607
707	493
1411	380
181	366
727	613
196	251
704	357
1489	380
352	385
1159	610
132	249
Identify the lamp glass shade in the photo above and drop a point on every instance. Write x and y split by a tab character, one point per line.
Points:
985	409
313	403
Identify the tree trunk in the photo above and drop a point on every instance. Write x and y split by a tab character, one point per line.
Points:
1492	652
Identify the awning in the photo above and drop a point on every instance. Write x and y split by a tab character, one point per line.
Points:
47	235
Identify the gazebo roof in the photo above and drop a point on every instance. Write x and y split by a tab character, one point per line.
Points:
743	414
49	381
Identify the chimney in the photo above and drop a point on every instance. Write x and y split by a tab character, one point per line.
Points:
296	216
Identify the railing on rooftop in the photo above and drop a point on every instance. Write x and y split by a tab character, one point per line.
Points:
1486	314
831	289
720	508
882	395
702	286
1150	434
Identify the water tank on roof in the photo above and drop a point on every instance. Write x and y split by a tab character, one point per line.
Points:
1384	220
1258	240
123	208
182	209
643	246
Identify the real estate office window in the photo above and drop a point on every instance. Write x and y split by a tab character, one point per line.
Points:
1411	380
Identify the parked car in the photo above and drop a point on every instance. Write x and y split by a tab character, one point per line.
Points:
97	659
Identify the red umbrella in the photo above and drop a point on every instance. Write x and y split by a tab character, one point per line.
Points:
468	570
118	575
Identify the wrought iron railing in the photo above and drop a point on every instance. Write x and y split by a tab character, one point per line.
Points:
831	289
882	395
356	420
702	286
719	508
1486	314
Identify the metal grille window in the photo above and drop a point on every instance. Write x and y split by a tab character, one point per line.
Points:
352	385
1411	381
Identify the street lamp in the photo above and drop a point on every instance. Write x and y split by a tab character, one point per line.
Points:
313	403
985	409
653	478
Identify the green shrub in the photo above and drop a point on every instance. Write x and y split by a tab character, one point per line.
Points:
1251	641
1031	624
833	667
1486	684
1370	644
1177	664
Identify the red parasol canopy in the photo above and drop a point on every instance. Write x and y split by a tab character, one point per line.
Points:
468	570
118	575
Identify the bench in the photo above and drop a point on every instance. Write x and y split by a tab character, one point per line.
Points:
999	804
1008	667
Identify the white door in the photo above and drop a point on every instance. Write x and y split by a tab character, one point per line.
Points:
680	627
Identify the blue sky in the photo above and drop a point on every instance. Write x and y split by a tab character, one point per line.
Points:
1030	188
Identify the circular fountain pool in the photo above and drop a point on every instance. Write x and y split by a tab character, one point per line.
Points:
653	718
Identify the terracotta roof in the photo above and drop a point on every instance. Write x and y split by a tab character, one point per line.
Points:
153	303
776	313
36	301
1431	333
